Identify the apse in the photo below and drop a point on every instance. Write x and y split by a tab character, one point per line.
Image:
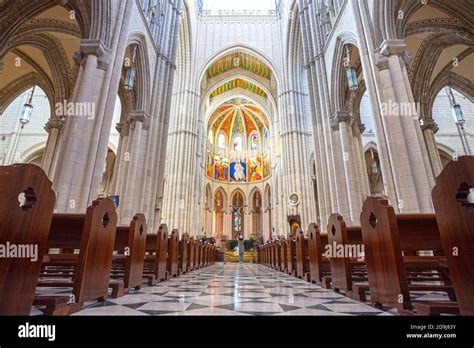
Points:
238	143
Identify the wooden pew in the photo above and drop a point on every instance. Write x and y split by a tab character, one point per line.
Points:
190	257
201	253
283	255
156	256
197	256
270	253
205	260
302	256
128	262
172	260
264	254
276	254
455	216
183	254
25	225
392	243
88	272
278	246
348	272
291	255
319	269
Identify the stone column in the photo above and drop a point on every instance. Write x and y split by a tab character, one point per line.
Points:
162	96
407	163
208	222
295	160
266	224
357	130
53	127
248	223
228	224
329	166
84	143
342	122
430	128
129	162
406	175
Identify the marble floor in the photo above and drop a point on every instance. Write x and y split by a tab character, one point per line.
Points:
233	289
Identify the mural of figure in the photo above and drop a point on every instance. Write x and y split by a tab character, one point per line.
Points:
255	169
238	171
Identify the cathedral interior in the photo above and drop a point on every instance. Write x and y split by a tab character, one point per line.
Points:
217	119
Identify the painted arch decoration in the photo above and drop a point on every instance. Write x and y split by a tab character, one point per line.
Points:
239	60
238	83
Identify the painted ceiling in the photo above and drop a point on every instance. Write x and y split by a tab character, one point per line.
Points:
238	83
238	116
239	60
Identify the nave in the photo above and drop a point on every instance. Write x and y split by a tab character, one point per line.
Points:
227	289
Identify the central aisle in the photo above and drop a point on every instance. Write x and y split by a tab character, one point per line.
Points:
233	289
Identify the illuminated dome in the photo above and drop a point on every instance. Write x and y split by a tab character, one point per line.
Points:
238	148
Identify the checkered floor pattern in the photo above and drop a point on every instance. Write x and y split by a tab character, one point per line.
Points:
234	289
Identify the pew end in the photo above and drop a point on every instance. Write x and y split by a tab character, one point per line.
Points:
26	211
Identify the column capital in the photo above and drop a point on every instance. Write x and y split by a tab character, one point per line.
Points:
340	116
94	47
122	128
139	116
393	46
430	124
54	123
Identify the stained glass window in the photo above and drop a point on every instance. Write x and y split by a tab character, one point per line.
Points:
221	141
237	220
254	141
238	144
211	137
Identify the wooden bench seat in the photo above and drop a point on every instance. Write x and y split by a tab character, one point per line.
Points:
347	269
26	211
183	253
453	200
128	262
319	269
172	259
393	243
86	243
291	255
156	251
302	257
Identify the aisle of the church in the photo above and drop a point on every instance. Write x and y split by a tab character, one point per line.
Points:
233	289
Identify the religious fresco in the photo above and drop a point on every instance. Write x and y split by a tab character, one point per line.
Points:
210	165
266	166
265	138
255	168
234	129
221	169
238	171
